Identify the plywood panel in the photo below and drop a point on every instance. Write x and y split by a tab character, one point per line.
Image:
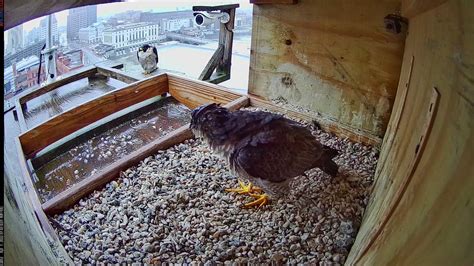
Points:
331	57
194	93
425	217
68	122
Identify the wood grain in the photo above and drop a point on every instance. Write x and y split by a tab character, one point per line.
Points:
329	126
335	58
422	214
412	8
69	197
212	64
193	93
68	122
33	196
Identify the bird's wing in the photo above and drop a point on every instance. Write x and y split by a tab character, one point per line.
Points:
156	53
276	155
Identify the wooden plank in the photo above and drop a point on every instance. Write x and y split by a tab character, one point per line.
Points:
194	93
226	36
20	11
330	126
69	197
20	115
417	152
60	81
68	122
300	54
212	64
34	199
115	73
264	2
432	221
215	8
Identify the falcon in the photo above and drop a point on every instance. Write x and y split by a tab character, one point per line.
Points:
267	149
148	58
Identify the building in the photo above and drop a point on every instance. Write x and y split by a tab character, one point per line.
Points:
23	75
33	36
88	35
78	18
129	35
69	61
43	29
30	50
169	21
14	41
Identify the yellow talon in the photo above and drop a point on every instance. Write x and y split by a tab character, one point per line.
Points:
261	199
244	189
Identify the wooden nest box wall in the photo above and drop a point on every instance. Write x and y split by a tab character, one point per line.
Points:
396	74
362	69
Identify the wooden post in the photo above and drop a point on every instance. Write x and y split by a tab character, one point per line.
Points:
222	58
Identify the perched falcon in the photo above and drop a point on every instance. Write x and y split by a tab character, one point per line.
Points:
267	149
148	57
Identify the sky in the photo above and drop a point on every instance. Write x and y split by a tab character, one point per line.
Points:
106	10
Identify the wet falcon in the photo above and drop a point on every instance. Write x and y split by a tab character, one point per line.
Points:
267	149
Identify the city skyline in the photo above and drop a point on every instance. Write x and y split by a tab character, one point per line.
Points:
110	9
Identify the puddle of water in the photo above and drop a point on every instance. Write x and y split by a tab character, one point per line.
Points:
65	97
99	151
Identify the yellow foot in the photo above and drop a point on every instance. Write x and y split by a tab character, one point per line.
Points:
261	199
244	189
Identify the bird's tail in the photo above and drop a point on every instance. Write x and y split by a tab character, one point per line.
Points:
326	162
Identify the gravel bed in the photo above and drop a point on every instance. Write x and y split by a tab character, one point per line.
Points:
172	208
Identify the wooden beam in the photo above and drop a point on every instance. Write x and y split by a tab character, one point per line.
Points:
215	8
20	115
330	126
20	11
115	73
193	93
68	122
30	191
69	197
60	81
226	37
412	8
262	2
212	64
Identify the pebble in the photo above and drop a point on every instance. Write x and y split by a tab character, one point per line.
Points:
172	207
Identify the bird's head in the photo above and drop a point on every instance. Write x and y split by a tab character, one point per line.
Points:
207	117
144	48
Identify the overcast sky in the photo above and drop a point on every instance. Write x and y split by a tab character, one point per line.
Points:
106	10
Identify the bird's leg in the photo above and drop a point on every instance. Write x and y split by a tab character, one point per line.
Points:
245	189
261	199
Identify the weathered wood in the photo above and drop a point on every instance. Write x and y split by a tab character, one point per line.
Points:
215	8
60	81
33	197
330	126
226	37
115	73
423	214
20	115
263	2
69	197
20	11
212	64
68	122
193	93
312	53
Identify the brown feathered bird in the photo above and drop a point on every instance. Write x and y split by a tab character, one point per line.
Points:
267	149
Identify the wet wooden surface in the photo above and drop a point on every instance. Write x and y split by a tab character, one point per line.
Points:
68	122
91	155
